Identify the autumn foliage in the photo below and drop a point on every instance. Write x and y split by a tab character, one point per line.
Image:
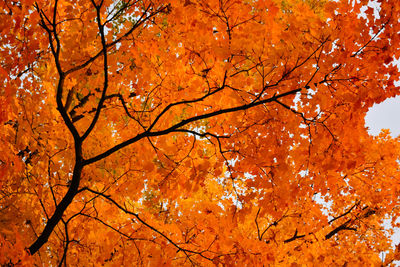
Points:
188	132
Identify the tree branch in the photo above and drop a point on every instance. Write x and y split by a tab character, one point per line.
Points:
105	70
185	122
136	215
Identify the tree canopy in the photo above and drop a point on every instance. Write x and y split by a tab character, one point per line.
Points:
189	132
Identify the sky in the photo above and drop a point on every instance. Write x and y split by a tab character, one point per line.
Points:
385	115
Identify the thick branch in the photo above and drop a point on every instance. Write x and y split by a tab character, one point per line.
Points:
185	122
343	226
58	213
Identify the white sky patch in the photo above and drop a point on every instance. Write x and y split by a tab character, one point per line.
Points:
385	115
325	205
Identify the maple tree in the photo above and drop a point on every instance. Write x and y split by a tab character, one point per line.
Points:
225	132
